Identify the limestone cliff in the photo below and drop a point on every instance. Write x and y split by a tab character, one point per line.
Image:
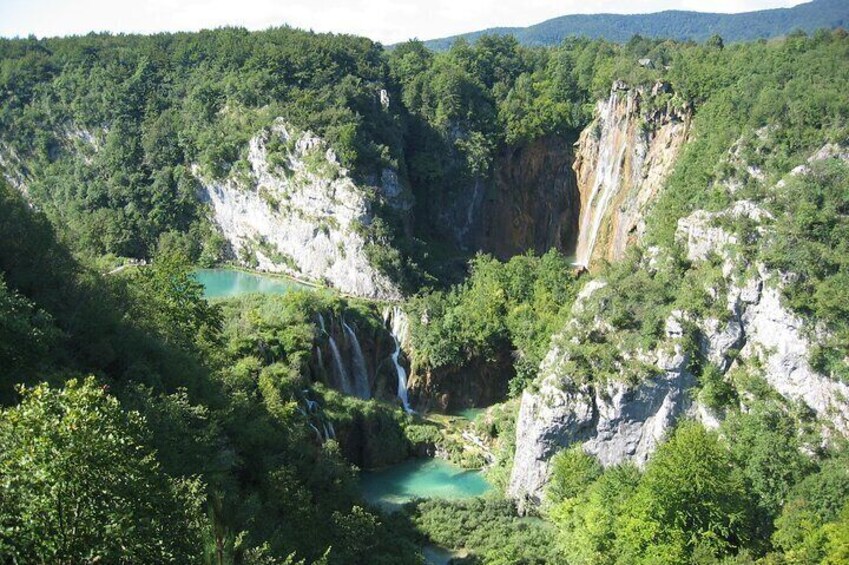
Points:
530	202
296	210
623	158
615	421
476	383
750	330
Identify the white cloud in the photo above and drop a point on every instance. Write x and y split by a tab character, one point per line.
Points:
388	21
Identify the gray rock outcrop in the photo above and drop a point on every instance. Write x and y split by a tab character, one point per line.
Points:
617	421
297	211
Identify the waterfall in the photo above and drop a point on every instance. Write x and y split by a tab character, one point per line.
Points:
321	322
474	203
331	430
606	179
397	328
317	433
342	374
321	369
361	384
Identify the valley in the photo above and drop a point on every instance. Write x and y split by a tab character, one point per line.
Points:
496	304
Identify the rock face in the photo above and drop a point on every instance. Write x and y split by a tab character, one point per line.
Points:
759	325
529	203
623	158
532	203
775	337
295	210
619	422
615	422
477	383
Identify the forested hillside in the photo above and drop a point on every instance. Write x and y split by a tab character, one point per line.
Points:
680	400
674	24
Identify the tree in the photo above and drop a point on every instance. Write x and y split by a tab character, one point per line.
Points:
171	300
79	484
572	472
690	498
715	41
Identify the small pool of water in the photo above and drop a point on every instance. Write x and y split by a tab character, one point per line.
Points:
469	413
420	478
225	283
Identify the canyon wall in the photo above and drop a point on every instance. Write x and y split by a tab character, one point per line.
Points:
295	210
530	202
623	159
621	420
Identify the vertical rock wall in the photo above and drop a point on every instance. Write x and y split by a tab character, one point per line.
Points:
296	210
623	159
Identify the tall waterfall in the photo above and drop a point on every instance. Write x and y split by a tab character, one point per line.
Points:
397	322
608	172
320	360
341	373
361	383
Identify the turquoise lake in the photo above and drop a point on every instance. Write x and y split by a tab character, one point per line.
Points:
420	478
224	283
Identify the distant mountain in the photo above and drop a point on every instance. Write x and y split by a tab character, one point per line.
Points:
674	24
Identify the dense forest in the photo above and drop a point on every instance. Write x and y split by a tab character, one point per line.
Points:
141	422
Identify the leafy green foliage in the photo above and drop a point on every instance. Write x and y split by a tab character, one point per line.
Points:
769	104
690	499
172	301
572	471
811	524
520	303
487	528
109	127
80	483
810	241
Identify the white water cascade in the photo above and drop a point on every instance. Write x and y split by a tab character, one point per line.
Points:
607	180
361	382
341	373
397	322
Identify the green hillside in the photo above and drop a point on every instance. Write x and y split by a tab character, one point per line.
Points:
674	24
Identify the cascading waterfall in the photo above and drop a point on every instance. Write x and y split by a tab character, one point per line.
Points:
397	323
313	415
361	382
606	183
317	433
341	373
320	360
474	203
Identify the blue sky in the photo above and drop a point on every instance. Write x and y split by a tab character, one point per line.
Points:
388	21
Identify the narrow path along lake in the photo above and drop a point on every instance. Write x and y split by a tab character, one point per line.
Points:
225	283
420	478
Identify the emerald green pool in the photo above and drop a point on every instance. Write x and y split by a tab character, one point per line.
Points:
470	413
420	478
224	283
